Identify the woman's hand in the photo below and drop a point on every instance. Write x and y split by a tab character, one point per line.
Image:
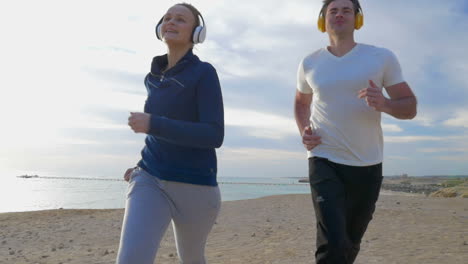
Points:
128	173
139	122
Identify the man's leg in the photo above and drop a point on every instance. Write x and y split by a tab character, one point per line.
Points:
328	196
363	188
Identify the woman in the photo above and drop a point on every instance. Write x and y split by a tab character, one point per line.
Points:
184	122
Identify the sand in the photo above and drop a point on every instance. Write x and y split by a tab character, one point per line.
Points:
276	229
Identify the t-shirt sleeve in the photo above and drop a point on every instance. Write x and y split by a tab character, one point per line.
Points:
302	84
392	74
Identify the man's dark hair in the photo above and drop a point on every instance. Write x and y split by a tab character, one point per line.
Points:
357	6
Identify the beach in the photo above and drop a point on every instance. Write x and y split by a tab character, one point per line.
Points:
407	228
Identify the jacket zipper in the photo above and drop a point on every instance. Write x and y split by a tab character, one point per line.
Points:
175	80
150	83
161	77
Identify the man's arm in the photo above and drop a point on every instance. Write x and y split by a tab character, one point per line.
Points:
401	104
302	104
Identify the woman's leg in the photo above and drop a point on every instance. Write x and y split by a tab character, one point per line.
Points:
147	216
196	209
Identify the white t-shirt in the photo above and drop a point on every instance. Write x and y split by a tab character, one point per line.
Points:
350	130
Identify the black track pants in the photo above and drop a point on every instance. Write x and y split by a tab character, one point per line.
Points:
344	200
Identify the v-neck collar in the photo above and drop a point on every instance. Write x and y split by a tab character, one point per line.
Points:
349	53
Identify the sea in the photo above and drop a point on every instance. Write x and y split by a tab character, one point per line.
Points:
45	193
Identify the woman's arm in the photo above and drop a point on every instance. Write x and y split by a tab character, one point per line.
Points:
209	131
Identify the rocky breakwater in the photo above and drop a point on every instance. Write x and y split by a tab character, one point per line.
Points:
410	188
453	188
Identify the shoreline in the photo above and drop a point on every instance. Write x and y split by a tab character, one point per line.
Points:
275	229
382	192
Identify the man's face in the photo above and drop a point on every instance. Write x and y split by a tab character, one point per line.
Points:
340	17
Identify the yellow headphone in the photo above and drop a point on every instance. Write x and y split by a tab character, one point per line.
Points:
359	22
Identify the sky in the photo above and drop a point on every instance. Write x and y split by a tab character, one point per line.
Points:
73	70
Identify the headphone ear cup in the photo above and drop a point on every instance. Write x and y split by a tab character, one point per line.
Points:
202	36
199	35
321	24
158	31
359	21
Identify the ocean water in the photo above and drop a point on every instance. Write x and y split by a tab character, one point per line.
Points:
32	194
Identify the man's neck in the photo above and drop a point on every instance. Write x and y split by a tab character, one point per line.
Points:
174	54
340	46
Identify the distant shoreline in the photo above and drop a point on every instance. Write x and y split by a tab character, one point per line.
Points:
424	184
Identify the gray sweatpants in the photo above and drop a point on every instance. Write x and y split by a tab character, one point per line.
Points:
151	205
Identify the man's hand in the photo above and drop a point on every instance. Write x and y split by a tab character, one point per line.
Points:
128	173
139	122
374	97
310	139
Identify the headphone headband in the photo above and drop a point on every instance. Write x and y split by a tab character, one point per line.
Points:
355	4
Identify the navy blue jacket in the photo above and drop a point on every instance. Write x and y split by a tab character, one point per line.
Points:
187	121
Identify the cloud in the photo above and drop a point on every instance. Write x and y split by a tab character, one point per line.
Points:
75	85
462	158
441	150
424	119
230	64
261	125
391	128
444	138
406	139
393	157
460	119
258	155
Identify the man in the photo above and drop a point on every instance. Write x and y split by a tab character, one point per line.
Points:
343	82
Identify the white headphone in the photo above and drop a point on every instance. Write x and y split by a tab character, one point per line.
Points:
198	34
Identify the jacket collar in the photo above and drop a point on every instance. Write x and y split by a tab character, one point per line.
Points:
160	62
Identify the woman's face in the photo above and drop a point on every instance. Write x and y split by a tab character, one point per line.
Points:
177	26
